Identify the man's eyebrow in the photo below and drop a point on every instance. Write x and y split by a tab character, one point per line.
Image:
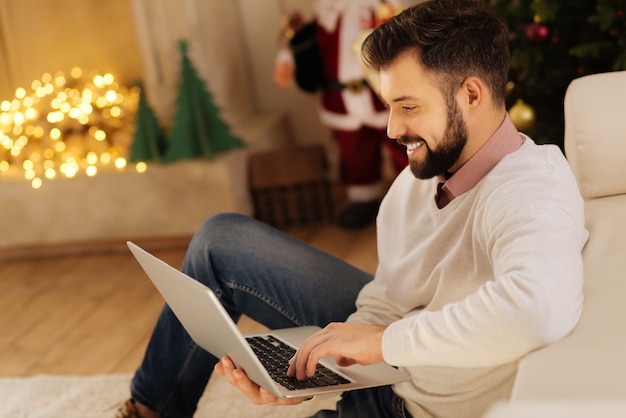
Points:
405	98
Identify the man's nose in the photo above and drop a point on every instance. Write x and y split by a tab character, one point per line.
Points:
395	126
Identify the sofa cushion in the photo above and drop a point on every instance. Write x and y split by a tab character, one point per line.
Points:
595	121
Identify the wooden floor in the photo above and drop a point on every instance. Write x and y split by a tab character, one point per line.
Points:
92	313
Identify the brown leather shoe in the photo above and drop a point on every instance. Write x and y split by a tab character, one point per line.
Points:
128	410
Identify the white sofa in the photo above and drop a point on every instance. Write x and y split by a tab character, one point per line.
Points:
584	375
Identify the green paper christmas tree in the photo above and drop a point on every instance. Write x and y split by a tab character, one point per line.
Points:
149	143
198	128
552	43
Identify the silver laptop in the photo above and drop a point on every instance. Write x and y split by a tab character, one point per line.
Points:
210	326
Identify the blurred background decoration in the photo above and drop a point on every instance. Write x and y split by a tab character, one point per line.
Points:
552	43
67	125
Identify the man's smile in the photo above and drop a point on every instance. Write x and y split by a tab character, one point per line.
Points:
413	146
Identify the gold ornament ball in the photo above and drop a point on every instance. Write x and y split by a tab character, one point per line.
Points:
522	115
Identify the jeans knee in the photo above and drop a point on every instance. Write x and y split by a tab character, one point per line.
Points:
212	239
220	223
217	230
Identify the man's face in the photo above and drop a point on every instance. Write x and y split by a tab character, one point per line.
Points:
431	127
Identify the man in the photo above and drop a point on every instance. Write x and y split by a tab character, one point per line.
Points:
479	245
323	54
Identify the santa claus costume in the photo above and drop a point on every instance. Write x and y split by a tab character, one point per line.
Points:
326	62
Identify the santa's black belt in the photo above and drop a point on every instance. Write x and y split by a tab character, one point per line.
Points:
353	86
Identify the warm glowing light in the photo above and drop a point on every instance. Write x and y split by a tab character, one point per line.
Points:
69	170
116	111
55	133
86	108
141	167
38	132
76	72
36	183
59	80
111	96
30	113
100	135
91	170
20	93
87	94
50	173
92	158
101	102
74	113
18	118
29	174
98	81
21	141
52	117
120	162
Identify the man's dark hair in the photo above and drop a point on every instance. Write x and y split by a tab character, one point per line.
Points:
454	39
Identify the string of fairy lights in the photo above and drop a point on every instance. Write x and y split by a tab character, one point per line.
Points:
66	126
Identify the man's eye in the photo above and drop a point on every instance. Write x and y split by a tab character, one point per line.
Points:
407	108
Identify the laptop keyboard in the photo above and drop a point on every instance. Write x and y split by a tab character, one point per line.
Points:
275	355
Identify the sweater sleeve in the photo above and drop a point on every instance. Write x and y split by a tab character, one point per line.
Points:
374	306
534	238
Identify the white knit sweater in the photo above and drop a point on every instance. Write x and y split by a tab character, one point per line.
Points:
471	288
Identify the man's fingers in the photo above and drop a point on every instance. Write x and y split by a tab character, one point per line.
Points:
304	362
227	367
257	394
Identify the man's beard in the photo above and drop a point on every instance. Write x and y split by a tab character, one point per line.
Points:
447	153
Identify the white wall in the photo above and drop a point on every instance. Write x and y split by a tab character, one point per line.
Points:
39	36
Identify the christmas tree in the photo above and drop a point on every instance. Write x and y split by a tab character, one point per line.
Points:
552	43
149	143
198	128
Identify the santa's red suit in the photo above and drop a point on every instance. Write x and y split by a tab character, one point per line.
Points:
326	62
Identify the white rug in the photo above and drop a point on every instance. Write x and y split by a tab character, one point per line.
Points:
46	396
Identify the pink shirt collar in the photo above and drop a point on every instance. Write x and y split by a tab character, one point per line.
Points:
504	140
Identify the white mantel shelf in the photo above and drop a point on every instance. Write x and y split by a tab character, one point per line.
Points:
167	200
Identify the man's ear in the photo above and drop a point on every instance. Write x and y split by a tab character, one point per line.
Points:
473	91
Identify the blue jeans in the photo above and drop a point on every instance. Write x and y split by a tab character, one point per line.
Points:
254	270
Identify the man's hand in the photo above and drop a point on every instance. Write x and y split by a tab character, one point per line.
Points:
349	343
257	394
